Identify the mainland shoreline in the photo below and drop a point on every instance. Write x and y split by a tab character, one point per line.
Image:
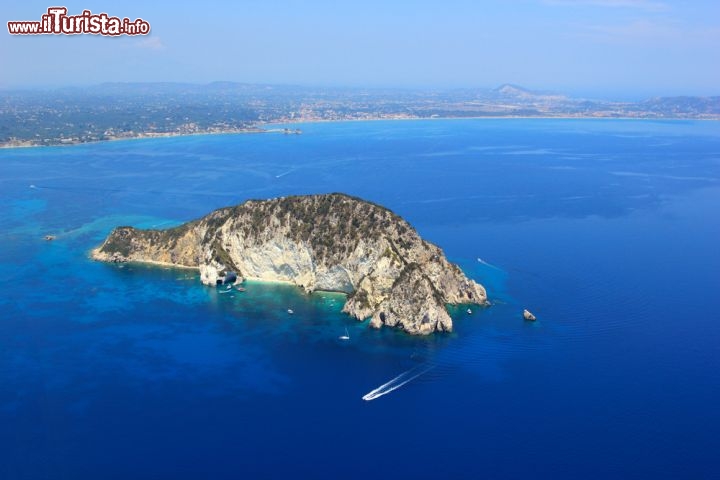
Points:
257	127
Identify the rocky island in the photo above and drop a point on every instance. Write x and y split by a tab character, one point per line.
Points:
330	242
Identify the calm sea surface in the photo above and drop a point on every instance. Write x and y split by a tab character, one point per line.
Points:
607	230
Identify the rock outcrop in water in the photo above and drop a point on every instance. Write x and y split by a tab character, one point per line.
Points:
319	242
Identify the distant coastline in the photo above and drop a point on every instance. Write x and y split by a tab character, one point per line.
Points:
112	112
134	136
259	130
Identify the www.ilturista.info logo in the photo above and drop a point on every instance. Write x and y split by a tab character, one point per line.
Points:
57	22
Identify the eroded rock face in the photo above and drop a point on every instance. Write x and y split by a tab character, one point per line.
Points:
327	242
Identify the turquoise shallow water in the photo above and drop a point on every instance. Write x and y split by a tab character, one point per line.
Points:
607	230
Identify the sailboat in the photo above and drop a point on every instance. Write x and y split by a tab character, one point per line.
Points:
346	336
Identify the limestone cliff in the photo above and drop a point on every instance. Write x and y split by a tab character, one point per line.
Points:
319	242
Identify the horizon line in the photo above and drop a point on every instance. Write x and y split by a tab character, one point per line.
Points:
608	94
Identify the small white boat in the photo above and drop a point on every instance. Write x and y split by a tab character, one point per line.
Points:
469	311
290	311
346	336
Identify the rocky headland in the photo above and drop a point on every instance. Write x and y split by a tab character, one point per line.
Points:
330	242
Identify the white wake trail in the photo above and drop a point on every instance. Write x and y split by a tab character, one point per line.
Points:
480	260
397	382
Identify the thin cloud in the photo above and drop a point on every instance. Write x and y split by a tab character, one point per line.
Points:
658	33
150	43
648	5
637	30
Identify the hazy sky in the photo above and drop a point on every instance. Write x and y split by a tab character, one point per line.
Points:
630	48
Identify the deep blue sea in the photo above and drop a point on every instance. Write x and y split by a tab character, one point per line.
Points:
607	230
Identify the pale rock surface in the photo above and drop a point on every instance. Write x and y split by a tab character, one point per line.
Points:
327	242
